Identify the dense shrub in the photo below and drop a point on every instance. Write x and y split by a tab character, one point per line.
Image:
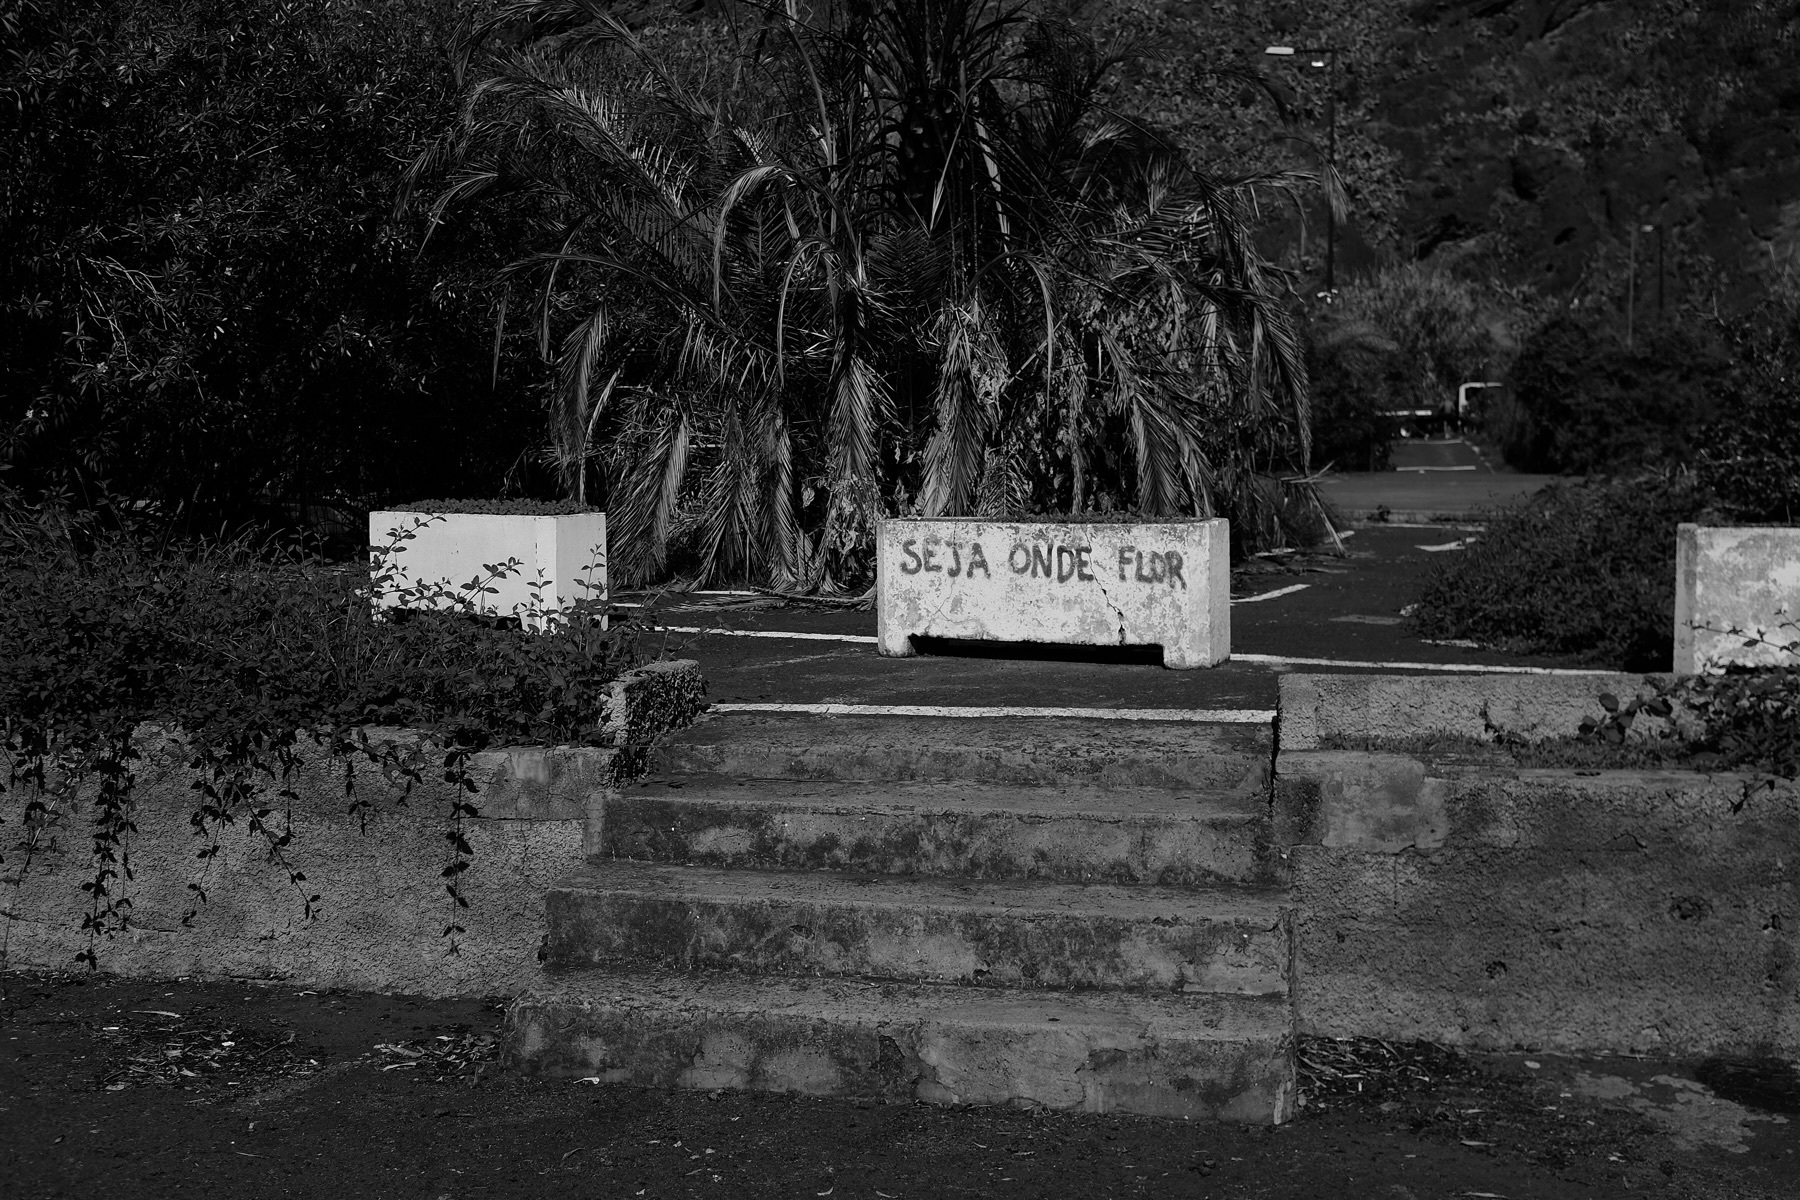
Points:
1585	569
249	653
1352	378
1750	457
1750	720
1589	404
206	303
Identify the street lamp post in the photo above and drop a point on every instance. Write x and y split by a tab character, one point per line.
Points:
1327	60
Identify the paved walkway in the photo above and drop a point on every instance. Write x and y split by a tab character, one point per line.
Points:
1305	612
1434	479
1428	495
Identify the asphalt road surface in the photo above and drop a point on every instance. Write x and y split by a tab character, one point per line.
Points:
1300	612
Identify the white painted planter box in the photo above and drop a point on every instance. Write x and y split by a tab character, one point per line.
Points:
1164	584
566	553
1745	578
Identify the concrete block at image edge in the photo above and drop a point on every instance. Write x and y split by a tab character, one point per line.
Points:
1737	597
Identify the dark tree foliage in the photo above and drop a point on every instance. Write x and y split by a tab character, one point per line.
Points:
821	263
206	304
1590	403
1750	459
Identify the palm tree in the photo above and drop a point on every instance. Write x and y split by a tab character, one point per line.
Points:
892	256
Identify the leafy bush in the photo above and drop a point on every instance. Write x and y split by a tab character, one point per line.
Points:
1749	719
248	653
206	304
1581	569
1750	458
1590	404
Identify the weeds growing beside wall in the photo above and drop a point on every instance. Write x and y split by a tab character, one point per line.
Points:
248	654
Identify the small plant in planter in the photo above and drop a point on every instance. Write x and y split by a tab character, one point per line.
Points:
538	561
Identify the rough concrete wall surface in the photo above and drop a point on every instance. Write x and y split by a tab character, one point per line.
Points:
1487	906
1165	585
1326	710
382	910
1745	579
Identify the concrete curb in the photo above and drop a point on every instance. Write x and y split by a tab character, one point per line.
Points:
1324	711
382	908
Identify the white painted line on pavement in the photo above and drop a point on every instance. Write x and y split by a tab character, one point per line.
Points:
1286	591
1254	659
1452	668
1219	716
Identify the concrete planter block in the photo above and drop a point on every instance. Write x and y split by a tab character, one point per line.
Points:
1162	584
562	559
1733	586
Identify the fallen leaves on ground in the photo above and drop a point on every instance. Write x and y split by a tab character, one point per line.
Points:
152	1046
443	1055
1439	1091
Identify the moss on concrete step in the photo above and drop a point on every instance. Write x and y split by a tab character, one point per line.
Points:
1217	1057
1020	751
1078	833
994	933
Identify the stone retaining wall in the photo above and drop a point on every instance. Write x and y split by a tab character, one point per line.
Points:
1473	903
382	908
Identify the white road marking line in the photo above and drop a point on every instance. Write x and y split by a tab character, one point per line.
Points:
1286	591
1460	544
1452	668
1219	716
1253	659
1464	468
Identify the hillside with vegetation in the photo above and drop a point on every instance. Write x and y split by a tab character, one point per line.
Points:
1516	138
227	297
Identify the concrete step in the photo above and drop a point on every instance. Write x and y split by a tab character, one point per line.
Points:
1213	1057
1072	832
1022	751
1021	933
